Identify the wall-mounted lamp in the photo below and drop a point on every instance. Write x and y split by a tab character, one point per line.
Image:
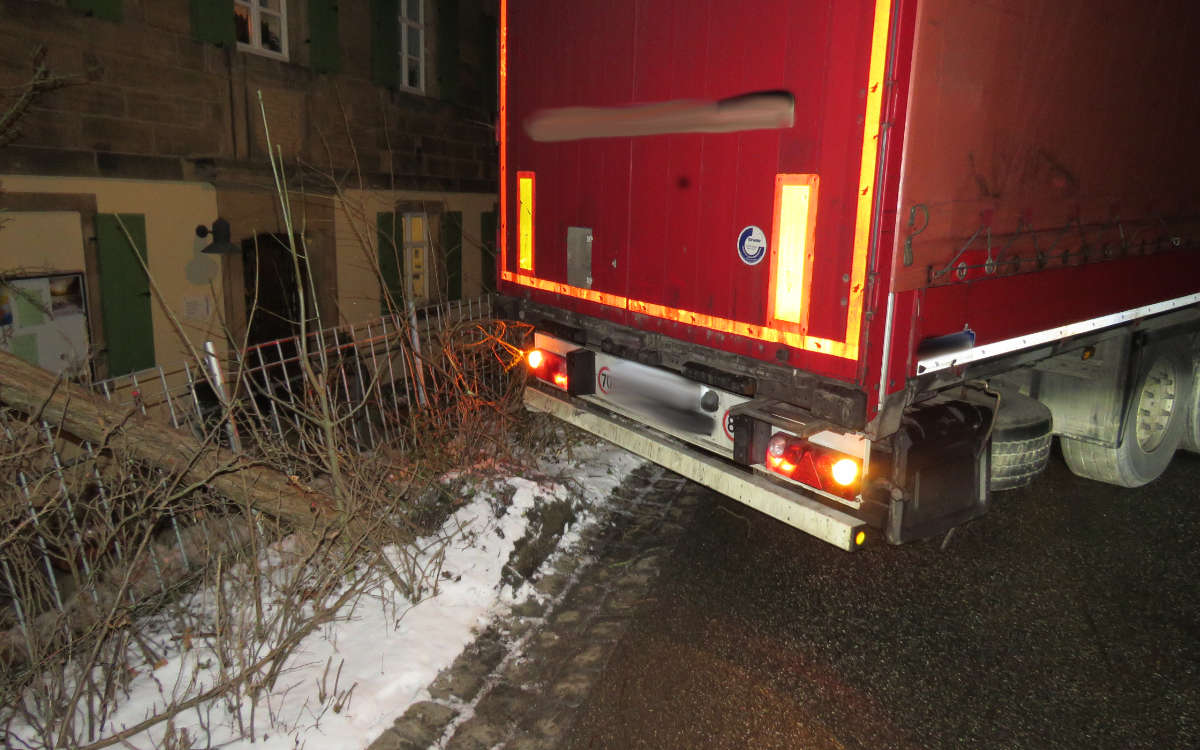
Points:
220	234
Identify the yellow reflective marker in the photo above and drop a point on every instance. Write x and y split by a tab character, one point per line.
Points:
792	249
525	220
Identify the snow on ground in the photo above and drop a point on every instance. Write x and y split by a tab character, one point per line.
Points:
391	649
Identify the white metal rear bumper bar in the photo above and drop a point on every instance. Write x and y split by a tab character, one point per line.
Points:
831	525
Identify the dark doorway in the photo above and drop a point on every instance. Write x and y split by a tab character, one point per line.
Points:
270	272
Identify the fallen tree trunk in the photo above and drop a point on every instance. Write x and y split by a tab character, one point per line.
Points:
84	415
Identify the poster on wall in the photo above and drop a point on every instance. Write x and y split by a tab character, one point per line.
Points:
43	320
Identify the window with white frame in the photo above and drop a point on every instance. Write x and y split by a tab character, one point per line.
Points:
412	45
261	26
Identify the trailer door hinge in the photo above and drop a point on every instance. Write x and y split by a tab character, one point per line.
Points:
891	102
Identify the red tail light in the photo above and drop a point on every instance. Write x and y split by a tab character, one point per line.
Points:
548	367
814	465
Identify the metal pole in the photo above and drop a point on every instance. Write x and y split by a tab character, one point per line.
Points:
266	376
24	485
167	396
377	382
214	367
66	495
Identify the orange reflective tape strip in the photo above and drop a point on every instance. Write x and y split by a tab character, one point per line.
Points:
738	328
591	295
711	322
502	134
866	172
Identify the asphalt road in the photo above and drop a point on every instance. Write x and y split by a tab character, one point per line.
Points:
1068	617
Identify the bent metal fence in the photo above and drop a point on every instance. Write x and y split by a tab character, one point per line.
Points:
377	376
91	539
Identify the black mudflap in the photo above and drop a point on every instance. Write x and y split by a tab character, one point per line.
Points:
940	465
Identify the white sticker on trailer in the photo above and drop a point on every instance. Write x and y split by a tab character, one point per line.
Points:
752	245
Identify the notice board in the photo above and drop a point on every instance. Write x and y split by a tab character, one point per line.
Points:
44	321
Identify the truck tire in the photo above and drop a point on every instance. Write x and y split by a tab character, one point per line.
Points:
1191	433
1021	438
1156	420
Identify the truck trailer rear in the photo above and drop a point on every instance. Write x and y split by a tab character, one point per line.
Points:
856	264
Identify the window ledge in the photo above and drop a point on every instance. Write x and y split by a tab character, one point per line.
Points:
251	49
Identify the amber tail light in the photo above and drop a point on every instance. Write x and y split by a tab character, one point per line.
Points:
548	367
819	467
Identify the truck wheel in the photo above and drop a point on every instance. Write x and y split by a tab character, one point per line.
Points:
1021	439
1157	419
1191	434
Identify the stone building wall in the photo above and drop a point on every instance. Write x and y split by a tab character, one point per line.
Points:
151	105
152	101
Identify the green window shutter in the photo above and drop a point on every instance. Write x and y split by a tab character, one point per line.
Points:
385	42
391	267
489	54
451	237
447	49
212	21
124	293
109	10
324	50
487	258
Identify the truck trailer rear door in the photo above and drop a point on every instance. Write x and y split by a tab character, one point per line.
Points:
700	169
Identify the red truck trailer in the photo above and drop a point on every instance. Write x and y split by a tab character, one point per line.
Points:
856	263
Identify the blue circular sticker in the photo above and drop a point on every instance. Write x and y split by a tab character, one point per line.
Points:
752	245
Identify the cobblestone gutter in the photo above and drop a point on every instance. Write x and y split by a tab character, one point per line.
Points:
518	685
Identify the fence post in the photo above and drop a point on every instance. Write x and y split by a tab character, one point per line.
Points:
214	367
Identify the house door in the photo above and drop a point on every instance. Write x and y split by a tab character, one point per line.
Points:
273	292
124	292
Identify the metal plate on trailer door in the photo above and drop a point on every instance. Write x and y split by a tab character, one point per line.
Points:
579	257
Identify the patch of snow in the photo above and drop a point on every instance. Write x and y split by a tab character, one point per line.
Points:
389	649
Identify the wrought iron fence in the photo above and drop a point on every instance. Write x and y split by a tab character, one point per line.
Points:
375	372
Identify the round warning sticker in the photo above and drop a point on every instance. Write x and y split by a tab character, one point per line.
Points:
604	379
727	423
752	245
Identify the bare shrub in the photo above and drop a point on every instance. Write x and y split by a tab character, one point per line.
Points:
113	565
